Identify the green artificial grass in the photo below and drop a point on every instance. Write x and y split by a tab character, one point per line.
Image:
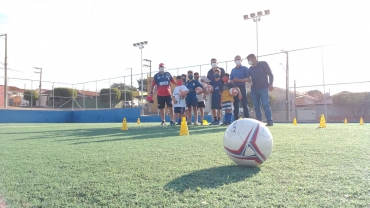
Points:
99	165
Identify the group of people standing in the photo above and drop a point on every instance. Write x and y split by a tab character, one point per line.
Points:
185	100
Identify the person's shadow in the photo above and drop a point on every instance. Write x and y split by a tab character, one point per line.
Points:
211	178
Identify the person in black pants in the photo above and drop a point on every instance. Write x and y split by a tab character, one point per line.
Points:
239	76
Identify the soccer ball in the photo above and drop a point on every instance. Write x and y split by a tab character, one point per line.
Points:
234	91
209	88
248	142
182	93
198	90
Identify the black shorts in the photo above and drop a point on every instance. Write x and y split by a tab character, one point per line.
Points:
180	110
201	104
162	100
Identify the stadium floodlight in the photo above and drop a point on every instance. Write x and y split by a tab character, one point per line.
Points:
256	19
141	46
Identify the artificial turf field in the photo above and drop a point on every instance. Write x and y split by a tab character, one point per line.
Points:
99	165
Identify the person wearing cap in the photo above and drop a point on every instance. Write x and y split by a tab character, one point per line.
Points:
239	76
163	82
200	97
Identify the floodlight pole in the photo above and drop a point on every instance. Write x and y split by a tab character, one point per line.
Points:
256	19
287	86
40	84
141	46
5	72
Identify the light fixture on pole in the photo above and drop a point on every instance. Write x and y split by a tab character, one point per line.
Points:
141	46
5	73
150	73
256	19
40	72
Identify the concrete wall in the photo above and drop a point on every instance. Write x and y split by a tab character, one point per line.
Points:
79	116
35	116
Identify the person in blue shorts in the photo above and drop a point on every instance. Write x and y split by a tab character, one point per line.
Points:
191	98
216	107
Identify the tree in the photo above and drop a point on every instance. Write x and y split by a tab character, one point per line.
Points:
63	93
315	93
123	86
128	95
357	103
145	87
27	95
115	94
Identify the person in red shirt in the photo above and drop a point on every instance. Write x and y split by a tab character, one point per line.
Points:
163	82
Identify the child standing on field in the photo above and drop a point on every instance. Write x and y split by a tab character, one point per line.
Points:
178	99
227	99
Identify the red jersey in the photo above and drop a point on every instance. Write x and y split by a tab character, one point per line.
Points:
163	82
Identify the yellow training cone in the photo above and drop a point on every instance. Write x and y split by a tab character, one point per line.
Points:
184	131
361	121
138	120
295	122
345	121
322	121
205	122
124	124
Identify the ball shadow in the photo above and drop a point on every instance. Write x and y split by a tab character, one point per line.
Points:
211	178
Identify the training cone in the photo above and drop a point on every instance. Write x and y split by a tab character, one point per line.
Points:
295	122
138	120
361	121
240	118
124	124
345	121
184	131
322	121
205	122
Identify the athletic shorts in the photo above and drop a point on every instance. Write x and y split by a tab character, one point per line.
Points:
162	100
216	102
191	103
180	110
201	104
227	105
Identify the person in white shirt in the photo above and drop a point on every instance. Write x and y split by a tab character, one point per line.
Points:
178	99
200	98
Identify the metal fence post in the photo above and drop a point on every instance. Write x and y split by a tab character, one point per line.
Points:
53	96
73	100
96	95
31	95
110	95
83	95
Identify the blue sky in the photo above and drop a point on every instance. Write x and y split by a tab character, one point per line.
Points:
80	41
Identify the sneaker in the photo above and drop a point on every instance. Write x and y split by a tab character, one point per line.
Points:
201	123
163	123
196	124
172	123
269	124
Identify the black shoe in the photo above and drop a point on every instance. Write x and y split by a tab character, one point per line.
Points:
163	123
269	124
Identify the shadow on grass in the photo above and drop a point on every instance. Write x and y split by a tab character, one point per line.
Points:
110	134
211	178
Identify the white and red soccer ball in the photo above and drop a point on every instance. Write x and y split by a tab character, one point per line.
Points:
183	93
248	142
209	88
234	91
198	90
